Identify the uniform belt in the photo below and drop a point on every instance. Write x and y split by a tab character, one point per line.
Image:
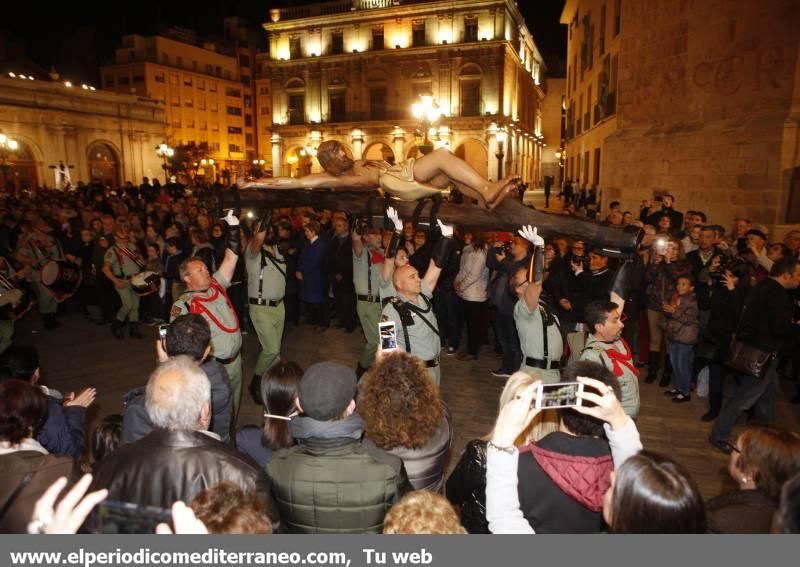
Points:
270	302
370	298
432	363
227	360
539	363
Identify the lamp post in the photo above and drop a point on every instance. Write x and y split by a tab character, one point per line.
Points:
7	147
165	152
427	112
501	138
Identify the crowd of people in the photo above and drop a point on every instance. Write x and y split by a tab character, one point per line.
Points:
364	448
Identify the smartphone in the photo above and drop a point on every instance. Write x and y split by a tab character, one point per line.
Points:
388	334
162	331
113	517
558	395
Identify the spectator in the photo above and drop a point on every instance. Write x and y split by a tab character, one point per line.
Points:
310	273
278	392
788	517
62	433
667	210
106	437
682	330
178	459
766	320
340	274
466	486
329	482
404	416
26	467
187	335
227	509
762	461
422	512
471	285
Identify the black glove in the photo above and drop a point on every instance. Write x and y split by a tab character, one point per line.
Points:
263	223
442	250
361	225
622	280
394	244
536	267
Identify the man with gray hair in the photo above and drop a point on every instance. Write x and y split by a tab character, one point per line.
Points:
180	457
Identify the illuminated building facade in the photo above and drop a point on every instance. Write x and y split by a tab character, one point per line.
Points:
351	70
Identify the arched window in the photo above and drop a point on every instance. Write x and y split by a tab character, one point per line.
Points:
296	101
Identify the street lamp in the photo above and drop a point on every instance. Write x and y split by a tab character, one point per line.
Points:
427	112
7	147
165	152
501	138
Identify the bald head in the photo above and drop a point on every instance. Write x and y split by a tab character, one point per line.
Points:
178	396
406	281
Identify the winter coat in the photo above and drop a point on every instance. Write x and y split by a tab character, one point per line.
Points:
562	480
311	263
136	423
63	431
741	512
425	466
466	487
29	464
166	466
331	483
683	325
472	280
661	279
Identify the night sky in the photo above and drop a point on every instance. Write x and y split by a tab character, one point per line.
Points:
78	37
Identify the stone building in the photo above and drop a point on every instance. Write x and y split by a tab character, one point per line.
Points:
104	137
205	88
701	100
350	70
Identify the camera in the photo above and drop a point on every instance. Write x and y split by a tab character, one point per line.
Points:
719	274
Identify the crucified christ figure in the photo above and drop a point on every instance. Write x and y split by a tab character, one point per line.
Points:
411	180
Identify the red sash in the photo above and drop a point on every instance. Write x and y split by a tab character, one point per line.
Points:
196	306
622	359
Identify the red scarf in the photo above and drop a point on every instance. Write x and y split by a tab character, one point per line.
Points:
376	257
619	359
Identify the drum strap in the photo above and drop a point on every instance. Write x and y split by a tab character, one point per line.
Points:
132	254
196	306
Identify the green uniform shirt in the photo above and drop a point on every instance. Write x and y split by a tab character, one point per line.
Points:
37	249
270	278
360	269
529	328
386	289
225	342
597	351
425	343
122	265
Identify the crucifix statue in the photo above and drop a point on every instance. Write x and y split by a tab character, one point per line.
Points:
62	175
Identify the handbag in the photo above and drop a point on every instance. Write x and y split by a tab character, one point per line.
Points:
745	358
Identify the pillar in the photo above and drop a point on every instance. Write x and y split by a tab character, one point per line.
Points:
277	154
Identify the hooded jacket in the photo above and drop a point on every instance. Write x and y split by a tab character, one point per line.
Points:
562	481
331	483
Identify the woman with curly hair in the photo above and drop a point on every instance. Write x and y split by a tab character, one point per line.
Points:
403	415
762	460
422	512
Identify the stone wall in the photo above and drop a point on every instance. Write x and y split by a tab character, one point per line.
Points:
706	89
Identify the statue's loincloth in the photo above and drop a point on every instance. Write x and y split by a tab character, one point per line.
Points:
398	180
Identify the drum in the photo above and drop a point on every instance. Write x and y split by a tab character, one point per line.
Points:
145	283
60	278
14	302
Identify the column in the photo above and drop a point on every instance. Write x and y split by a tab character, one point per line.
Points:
358	143
491	134
277	154
398	144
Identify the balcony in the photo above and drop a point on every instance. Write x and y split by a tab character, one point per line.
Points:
335	7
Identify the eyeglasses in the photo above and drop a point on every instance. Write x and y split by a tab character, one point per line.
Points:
732	447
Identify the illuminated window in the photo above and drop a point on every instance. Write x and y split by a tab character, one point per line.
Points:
418	34
377	38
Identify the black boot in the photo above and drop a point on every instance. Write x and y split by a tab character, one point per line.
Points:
255	389
652	373
136	332
116	329
666	377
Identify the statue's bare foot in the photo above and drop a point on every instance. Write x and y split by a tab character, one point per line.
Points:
498	190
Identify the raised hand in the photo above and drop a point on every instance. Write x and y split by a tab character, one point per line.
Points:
231	219
531	234
71	511
391	212
446	229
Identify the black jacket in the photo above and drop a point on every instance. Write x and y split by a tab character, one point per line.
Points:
767	317
136	423
166	466
543	497
466	487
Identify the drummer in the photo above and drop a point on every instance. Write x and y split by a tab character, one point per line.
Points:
9	275
121	262
36	247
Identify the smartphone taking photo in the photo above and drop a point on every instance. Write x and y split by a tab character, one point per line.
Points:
388	335
558	395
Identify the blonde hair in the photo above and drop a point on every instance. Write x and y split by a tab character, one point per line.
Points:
543	424
422	512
